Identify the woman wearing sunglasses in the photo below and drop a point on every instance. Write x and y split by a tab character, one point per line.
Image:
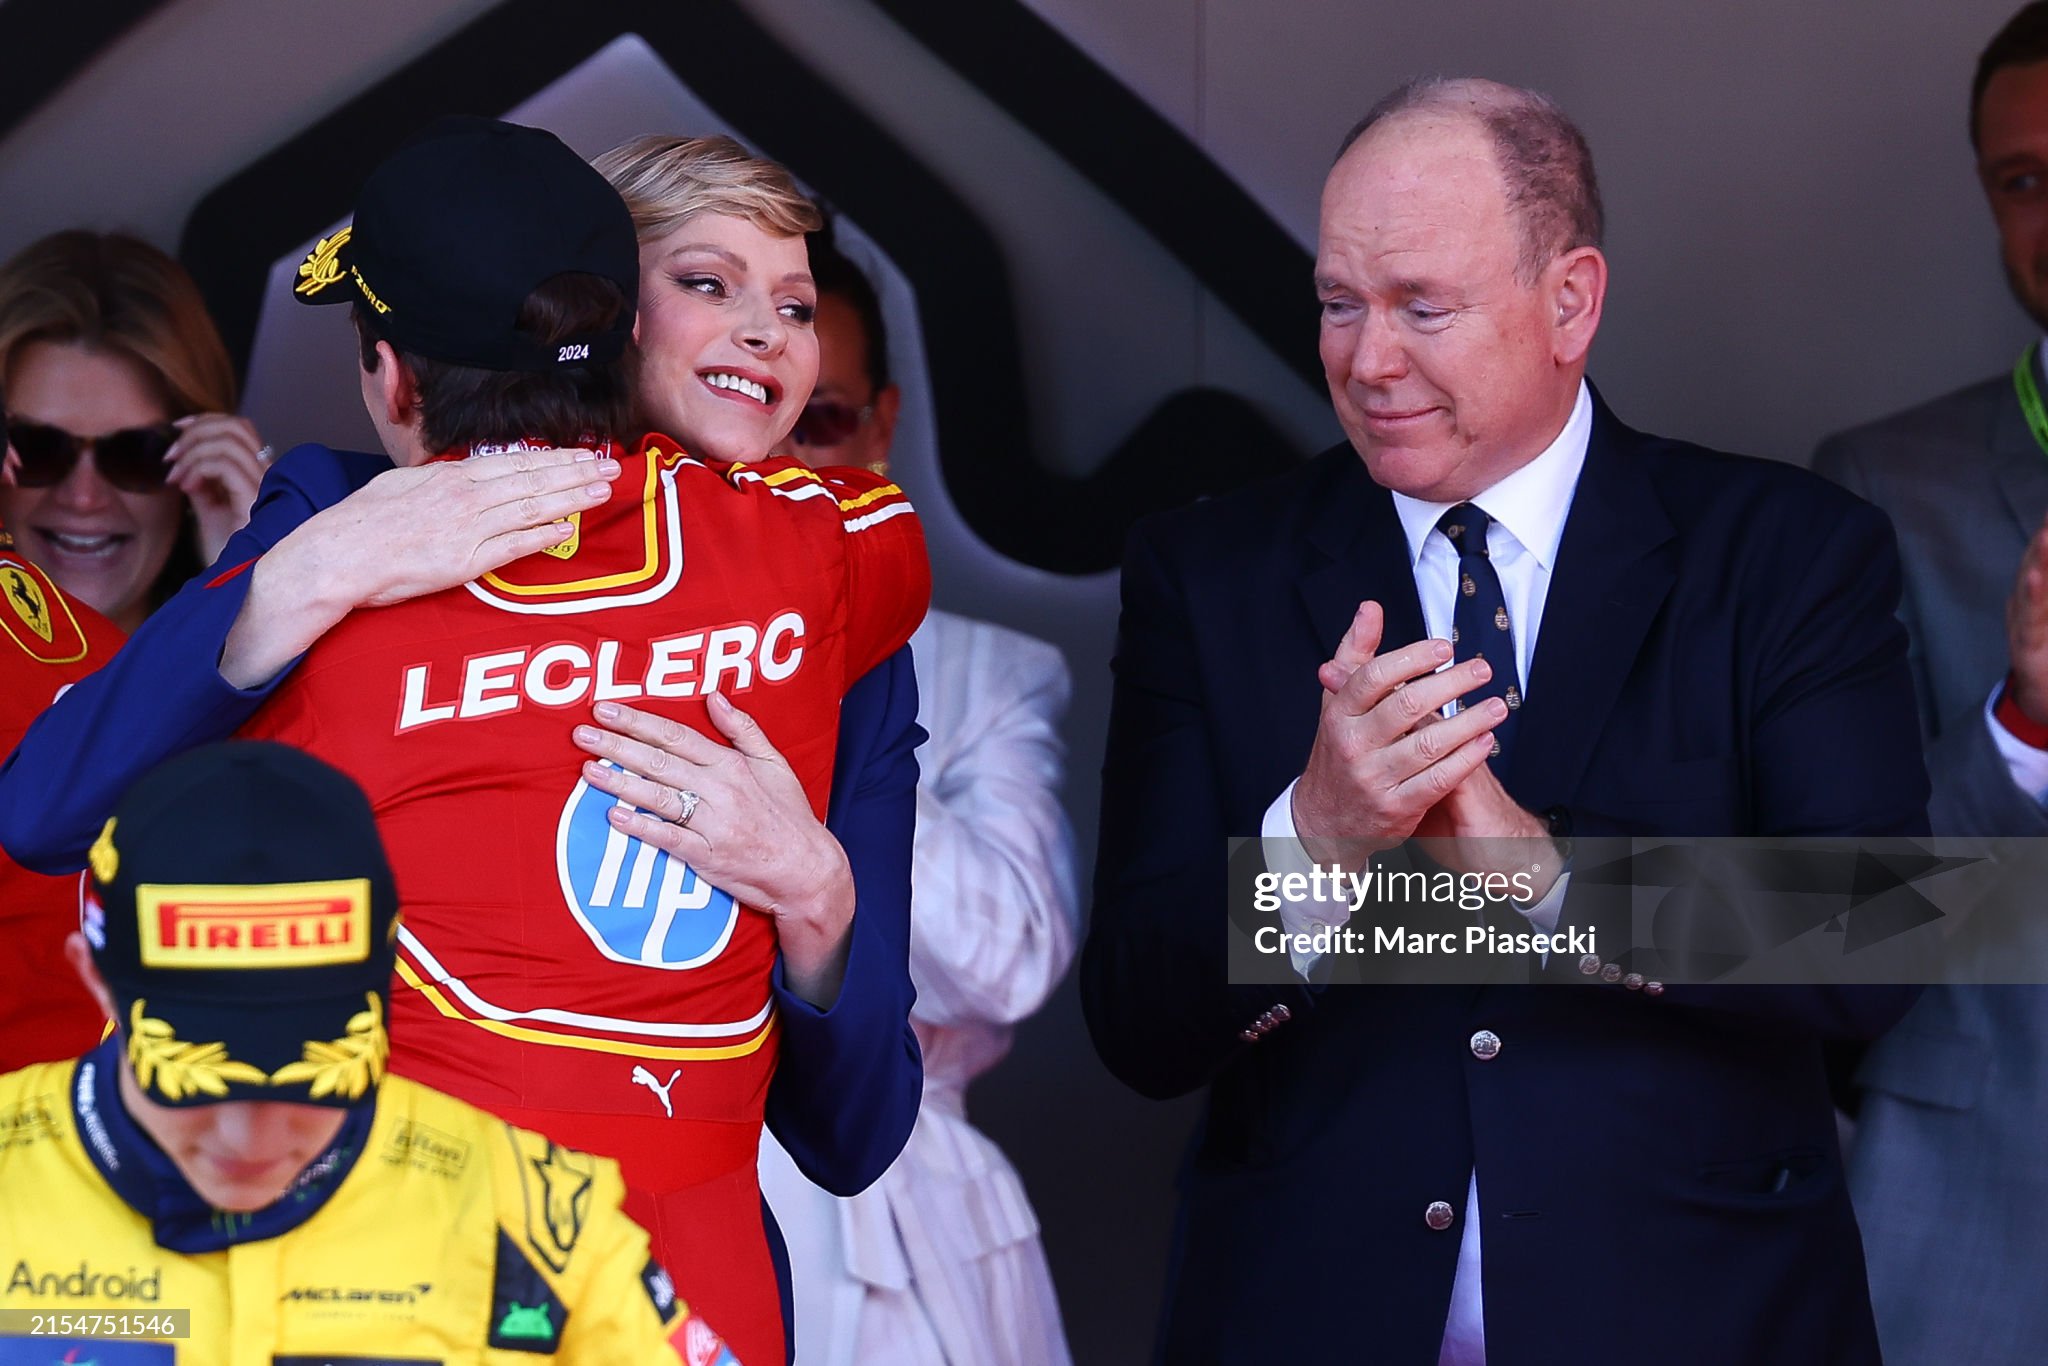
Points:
127	471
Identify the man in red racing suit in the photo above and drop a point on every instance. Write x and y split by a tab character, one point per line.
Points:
559	973
565	976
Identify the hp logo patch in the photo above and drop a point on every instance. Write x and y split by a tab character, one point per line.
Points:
637	904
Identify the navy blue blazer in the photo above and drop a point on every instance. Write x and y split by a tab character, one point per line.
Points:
1659	1177
848	1081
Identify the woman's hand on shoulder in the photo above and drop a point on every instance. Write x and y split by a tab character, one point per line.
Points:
406	533
417	530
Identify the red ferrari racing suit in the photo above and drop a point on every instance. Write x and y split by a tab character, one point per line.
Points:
560	974
50	641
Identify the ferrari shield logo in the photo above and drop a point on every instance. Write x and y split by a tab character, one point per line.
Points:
638	904
568	548
25	596
37	618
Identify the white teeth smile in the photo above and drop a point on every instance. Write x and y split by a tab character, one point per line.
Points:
83	545
721	380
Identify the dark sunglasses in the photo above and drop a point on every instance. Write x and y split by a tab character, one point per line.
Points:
131	459
828	424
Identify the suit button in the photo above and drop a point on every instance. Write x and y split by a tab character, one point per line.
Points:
1485	1045
1439	1215
1611	973
1281	1014
1590	964
1653	989
1248	1035
1634	981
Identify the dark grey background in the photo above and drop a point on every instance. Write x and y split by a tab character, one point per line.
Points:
1797	243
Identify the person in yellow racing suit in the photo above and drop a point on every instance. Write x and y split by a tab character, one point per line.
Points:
230	1179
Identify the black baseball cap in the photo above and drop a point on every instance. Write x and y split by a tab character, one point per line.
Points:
242	911
454	230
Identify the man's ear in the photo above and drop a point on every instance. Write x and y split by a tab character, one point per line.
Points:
1578	286
79	954
396	389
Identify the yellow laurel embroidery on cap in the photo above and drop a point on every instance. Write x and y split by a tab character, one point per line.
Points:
104	858
348	1066
175	1069
320	269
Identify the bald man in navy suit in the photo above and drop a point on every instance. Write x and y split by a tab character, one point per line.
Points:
1651	638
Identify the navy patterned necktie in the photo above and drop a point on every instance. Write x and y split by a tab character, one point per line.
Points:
1480	624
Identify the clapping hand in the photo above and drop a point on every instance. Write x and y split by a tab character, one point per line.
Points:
1473	825
1383	756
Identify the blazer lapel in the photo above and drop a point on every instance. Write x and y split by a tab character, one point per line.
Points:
1357	551
1615	565
2018	464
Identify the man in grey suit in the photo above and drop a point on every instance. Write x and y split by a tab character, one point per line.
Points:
1947	1172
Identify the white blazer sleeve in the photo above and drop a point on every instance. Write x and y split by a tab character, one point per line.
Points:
995	903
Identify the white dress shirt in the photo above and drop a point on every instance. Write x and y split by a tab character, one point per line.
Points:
1528	509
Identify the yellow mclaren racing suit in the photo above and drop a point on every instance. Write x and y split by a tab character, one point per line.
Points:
448	1237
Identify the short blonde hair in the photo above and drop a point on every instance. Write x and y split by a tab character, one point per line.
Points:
113	292
666	181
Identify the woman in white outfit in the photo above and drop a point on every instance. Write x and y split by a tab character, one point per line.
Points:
939	1263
